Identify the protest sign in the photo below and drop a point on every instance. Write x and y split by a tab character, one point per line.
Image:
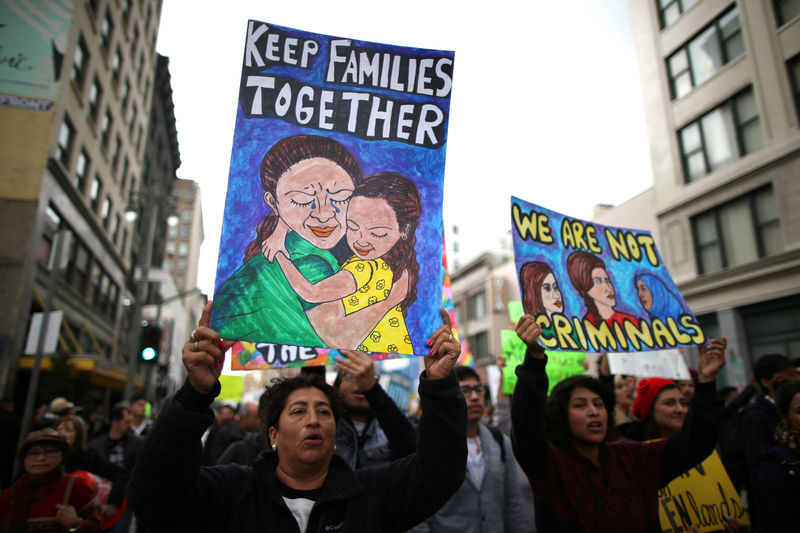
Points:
661	363
332	229
560	365
701	497
596	288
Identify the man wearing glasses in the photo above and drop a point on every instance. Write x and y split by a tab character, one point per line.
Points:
489	499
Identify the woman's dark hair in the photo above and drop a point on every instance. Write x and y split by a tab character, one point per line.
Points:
403	197
556	416
273	400
784	395
579	268
283	155
650	429
80	430
531	276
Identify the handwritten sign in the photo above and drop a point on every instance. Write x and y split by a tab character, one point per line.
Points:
332	230
560	365
701	497
596	288
661	363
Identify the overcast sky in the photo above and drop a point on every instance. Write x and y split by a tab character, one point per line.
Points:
546	102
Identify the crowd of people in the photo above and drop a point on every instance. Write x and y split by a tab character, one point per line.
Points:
312	456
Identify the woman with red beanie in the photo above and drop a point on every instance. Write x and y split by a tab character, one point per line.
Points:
582	482
661	408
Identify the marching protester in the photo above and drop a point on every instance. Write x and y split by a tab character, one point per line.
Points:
225	436
140	424
489	499
778	471
246	450
45	498
373	430
300	484
580	481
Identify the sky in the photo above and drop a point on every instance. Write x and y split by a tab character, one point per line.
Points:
546	102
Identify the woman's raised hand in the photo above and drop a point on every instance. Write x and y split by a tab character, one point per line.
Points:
445	350
528	330
711	359
204	354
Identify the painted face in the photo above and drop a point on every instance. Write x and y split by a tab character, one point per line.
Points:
473	394
587	416
68	430
793	416
311	198
551	295
40	460
645	296
355	402
372	228
669	411
602	291
307	428
623	392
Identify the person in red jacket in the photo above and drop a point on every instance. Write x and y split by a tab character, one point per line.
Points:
580	481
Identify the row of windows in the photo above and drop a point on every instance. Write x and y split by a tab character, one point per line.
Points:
670	10
737	232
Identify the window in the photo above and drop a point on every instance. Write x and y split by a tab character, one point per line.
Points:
78	267
476	306
115	153
134	40
721	136
132	118
772	326
66	136
737	232
95	94
105	211
670	10
105	128
82	169
124	173
80	62
126	91
171	248
182	265
115	228
186	232
172	231
794	78
786	10
94	193
183	249
106	30
479	345
116	66
705	54
187	215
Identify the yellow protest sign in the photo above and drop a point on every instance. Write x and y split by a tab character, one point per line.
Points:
701	497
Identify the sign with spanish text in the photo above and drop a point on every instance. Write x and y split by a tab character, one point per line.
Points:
332	231
596	288
701	497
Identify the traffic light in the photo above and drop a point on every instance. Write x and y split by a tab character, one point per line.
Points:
150	343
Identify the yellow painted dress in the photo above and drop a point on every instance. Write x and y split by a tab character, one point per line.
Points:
373	283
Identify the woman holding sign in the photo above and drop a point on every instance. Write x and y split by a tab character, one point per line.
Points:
580	481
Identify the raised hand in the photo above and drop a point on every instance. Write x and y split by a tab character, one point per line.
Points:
360	366
528	330
445	349
711	359
204	354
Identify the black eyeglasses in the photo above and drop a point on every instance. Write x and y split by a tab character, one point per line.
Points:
467	390
48	452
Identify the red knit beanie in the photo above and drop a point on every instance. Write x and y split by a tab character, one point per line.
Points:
646	394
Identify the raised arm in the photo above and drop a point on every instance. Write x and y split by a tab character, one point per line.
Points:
330	289
528	401
700	431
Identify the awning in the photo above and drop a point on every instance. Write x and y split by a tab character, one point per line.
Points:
101	372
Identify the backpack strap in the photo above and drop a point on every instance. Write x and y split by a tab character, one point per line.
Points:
68	492
498	436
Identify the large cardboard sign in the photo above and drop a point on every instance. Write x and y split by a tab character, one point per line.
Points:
701	497
332	230
596	288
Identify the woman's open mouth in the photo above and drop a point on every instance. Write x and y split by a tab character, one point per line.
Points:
322	231
362	251
315	439
596	426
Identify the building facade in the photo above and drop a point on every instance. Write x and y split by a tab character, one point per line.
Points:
185	237
70	172
721	90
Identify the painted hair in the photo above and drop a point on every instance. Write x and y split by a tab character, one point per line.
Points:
579	268
402	196
665	303
556	414
283	155
531	276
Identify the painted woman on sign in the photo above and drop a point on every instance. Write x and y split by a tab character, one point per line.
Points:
307	182
589	275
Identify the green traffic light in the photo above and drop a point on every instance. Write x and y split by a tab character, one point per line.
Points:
148	354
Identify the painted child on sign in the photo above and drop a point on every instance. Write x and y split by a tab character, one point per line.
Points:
312	253
620	296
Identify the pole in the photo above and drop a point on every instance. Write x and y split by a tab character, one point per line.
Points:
33	384
150	213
